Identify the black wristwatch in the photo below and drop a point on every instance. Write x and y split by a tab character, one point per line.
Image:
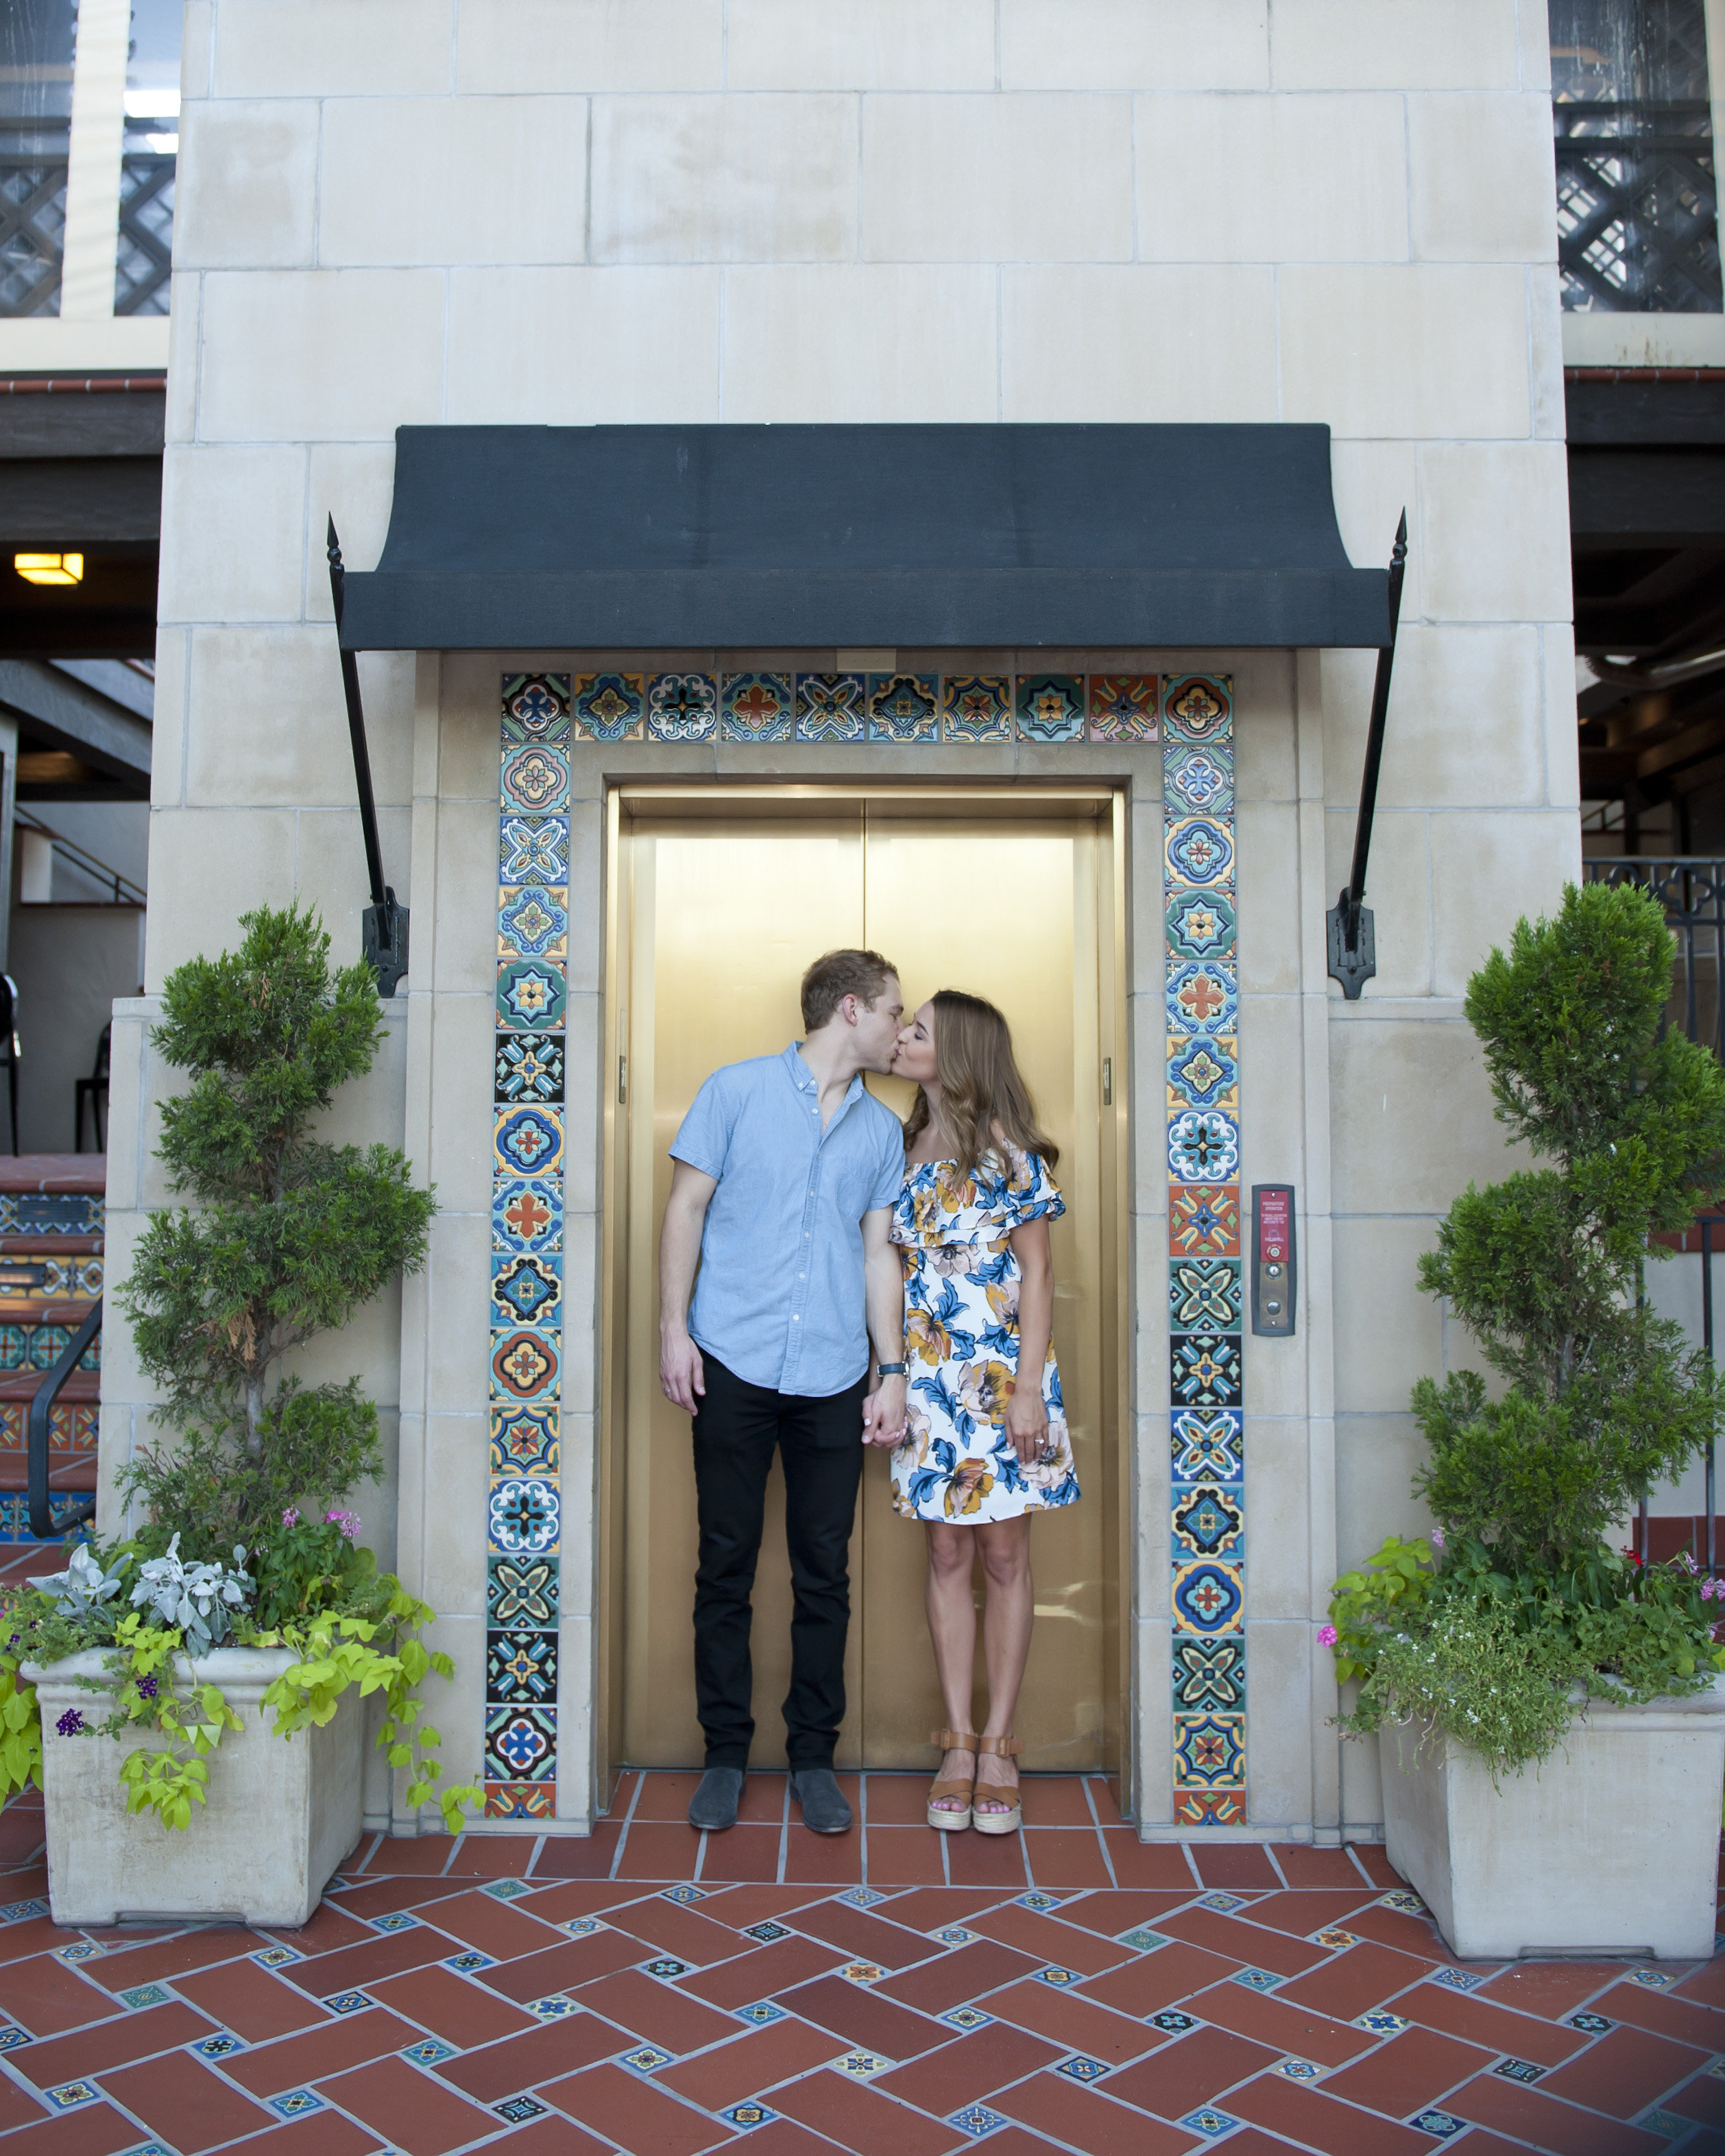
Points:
890	1370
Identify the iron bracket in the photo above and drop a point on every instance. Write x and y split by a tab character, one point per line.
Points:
384	928
1352	941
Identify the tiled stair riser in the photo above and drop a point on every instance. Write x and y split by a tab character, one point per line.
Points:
1205	1287
56	1236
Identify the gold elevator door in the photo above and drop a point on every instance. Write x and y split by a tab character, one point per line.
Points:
718	913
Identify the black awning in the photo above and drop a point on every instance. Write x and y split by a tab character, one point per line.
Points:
638	538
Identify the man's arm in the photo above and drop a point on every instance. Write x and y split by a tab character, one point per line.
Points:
884	1409
681	1378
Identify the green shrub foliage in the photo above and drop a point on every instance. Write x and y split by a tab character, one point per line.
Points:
1603	1397
285	1238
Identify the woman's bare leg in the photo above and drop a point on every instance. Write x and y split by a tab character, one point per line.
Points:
951	1626
1005	1548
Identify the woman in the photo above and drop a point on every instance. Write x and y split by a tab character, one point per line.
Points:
981	1452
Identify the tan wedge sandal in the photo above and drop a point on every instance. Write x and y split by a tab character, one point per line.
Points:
952	1785
1006	1822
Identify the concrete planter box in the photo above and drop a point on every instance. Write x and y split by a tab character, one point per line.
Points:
279	1816
1609	1846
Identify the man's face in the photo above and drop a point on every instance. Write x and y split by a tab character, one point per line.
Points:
877	1027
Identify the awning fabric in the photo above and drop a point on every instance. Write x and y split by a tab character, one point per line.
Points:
630	538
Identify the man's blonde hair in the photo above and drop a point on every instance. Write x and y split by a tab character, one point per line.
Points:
840	973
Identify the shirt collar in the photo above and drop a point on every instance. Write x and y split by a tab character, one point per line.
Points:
802	1078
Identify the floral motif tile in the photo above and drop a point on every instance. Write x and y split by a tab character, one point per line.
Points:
535	707
1204	1294
1196	707
1208	1675
609	707
1050	707
904	708
1203	1221
831	707
682	707
756	707
1208	1443
976	708
1124	707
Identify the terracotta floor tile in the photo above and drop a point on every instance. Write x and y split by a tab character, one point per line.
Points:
1493	2028
1551	1988
763	1800
1303	1867
383	1896
962	1974
657	1849
1046	1939
765	1973
1235	1865
1064	1855
561	1969
666	1796
551	2136
679	1928
1409	2071
1253	1946
1057	1800
166	1960
657	2013
347	2040
415	2113
929	1908
861	2119
821	1859
47	1998
1193	2070
112	2043
1702	2098
1302	1911
1355	1981
545	2054
905	1856
899	1800
1160	1864
1529	2115
386	1954
632	2114
556	1903
852	2010
1019	2141
100	2130
320	2133
1073	2022
988	1859
1084	2118
863	1936
1408	1934
1707	1986
1288	2029
969	2068
1307	2115
251	2001
473	1919
741	1853
1624	2072
783	2137
462	2013
1156	1980
1679	2018
1110	1913
750	2065
1375	1861
18	2107
35	1935
1251	2141
180	2099
579	1855
423	1855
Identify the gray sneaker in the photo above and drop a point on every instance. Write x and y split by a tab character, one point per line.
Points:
825	1810
713	1806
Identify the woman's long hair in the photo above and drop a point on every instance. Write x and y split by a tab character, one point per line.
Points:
981	1092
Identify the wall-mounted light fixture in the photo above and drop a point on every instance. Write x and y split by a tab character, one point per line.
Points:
49	568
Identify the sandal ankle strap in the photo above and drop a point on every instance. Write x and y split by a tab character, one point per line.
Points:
954	1740
1001	1748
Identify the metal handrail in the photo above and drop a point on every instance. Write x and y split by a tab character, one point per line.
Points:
87	863
44	1524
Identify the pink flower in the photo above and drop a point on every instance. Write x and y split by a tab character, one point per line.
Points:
290	1518
1436	1538
1326	1635
350	1523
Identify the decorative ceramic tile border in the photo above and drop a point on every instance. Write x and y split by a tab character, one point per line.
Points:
877	710
522	1534
1205	1324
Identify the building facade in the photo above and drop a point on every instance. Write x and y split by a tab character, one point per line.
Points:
991	218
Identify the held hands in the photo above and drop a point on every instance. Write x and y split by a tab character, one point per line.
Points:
681	1376
883	1420
1027	1424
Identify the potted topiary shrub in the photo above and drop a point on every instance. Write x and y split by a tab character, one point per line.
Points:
1551	1718
148	1686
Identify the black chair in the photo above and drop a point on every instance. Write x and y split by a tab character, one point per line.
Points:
9	1050
94	1090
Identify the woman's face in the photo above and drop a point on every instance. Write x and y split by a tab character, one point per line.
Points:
913	1058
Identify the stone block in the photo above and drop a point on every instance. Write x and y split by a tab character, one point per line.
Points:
208	867
866	44
716	179
269	726
1411	1123
167	732
411	180
1482	180
1494	527
1267	876
1363	44
457	1330
1466	728
1373	1266
454	1526
600	349
1486	871
1134	44
1279	1722
459	1162
986	179
863	342
354	482
329	48
1160	343
1377	1457
245	196
231	526
503	45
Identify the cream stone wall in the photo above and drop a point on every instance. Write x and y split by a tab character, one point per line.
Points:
577	211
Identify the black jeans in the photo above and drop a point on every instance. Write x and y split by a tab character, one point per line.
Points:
820	1441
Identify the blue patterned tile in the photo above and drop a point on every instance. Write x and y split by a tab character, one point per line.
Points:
532	995
1204	1369
296	2103
1210	1522
756	707
535	707
1050	707
526	1441
526	1290
527	1067
1209	2122
1203	997
1209	1675
1445	2127
533	922
682	707
532	850
1207	1443
1202	1146
830	707
1198	780
517	2110
1209	1753
1202	1072
1196	707
1125	707
429	2051
1200	923
521	1668
526	1142
976	708
522	1592
904	708
976	2119
520	1744
609	707
1208	1597
533	780
525	1365
1203	1295
527	1213
1198	852
523	1517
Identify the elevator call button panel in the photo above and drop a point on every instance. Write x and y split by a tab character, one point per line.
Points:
1273	1277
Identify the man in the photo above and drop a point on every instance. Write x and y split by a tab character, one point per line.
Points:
786	1174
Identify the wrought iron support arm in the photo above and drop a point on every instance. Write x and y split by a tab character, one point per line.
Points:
1352	940
383	933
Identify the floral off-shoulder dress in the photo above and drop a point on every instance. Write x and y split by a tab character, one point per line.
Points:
961	1344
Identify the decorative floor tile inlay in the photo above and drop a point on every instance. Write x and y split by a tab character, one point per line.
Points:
144	1995
1459	1979
1209	2122
1438	2122
1082	2069
743	2116
967	2017
761	2013
541	714
1596	2024
517	2110
1383	2024
862	2066
976	2119
296	2104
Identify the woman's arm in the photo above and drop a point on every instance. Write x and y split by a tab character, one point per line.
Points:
884	1409
1026	1417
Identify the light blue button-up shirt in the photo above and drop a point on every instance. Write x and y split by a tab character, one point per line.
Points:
780	1298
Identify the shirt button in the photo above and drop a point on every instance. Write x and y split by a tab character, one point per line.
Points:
795	1320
